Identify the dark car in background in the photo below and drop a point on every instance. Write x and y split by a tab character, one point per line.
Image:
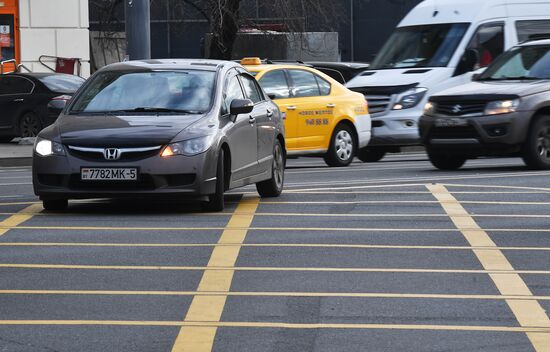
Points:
504	112
340	71
31	101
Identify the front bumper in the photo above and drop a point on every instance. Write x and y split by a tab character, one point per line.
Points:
57	177
482	135
396	129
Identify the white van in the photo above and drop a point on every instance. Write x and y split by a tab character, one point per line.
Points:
437	46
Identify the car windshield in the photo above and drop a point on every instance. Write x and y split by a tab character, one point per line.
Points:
62	83
188	91
420	46
527	62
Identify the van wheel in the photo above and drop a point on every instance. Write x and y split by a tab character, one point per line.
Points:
216	201
536	151
29	125
446	161
371	155
342	147
55	204
274	186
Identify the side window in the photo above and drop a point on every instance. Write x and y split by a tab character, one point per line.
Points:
251	89
488	42
275	83
324	86
233	91
15	85
305	84
532	29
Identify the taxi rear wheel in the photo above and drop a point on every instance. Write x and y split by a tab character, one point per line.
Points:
343	146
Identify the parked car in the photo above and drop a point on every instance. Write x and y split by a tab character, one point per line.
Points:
342	72
31	101
322	117
178	128
505	111
437	46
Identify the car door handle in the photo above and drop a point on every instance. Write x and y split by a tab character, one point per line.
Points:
251	120
269	113
291	108
18	100
331	105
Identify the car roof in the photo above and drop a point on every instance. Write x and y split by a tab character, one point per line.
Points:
174	64
37	74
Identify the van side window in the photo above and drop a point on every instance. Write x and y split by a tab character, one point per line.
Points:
488	42
533	29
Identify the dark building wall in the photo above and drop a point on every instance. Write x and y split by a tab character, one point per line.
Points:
177	29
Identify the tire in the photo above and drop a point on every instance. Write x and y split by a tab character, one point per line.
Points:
29	125
446	161
371	155
536	151
55	204
342	148
274	186
216	201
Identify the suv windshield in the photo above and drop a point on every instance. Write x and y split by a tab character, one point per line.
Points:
526	62
152	91
420	46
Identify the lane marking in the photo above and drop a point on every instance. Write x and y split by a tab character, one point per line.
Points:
261	245
269	269
402	202
275	294
497	187
19	218
528	313
210	308
275	325
16	184
19	203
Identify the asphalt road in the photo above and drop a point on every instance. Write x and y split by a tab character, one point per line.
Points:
392	256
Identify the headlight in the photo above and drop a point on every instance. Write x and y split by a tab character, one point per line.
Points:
501	107
46	147
189	147
410	98
429	108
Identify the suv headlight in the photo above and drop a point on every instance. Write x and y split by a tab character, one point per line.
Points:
501	107
189	147
429	108
410	98
45	147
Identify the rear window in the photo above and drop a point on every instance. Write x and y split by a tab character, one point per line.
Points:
62	83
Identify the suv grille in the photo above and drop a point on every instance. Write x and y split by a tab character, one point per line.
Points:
460	108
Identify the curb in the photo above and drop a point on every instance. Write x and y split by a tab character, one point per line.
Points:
7	162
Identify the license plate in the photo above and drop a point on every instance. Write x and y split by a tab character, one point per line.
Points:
108	174
450	122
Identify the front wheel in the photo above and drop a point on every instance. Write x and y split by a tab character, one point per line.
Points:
446	161
536	152
371	155
216	201
29	125
55	204
342	147
274	186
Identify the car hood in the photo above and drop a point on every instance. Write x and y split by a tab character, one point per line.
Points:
497	89
422	77
122	131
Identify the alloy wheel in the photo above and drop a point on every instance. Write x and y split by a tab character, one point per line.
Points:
543	143
344	145
278	166
30	126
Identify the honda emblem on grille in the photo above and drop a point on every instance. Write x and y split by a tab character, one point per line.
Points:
457	108
111	153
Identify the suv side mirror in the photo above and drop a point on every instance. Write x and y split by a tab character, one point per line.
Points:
241	106
468	62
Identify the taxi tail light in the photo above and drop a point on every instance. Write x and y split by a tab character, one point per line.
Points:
367	105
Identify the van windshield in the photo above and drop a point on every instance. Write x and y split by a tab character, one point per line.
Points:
420	46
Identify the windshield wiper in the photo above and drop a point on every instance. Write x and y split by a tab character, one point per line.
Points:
157	109
512	78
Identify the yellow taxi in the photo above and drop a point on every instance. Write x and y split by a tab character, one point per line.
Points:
322	117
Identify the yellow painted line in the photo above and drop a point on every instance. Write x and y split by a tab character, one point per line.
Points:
210	308
401	202
273	294
268	269
19	218
528	313
274	325
19	203
261	245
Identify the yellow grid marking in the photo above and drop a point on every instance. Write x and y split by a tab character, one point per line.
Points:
209	308
529	313
198	326
19	218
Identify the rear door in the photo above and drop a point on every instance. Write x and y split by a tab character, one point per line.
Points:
15	93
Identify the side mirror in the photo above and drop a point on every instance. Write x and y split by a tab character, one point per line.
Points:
468	62
241	106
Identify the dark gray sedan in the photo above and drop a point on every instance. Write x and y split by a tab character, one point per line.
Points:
183	128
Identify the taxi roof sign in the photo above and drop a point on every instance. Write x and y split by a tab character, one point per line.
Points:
251	61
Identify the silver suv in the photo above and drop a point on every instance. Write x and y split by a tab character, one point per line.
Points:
504	112
179	128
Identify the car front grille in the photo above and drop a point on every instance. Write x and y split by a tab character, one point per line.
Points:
126	154
378	103
460	108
